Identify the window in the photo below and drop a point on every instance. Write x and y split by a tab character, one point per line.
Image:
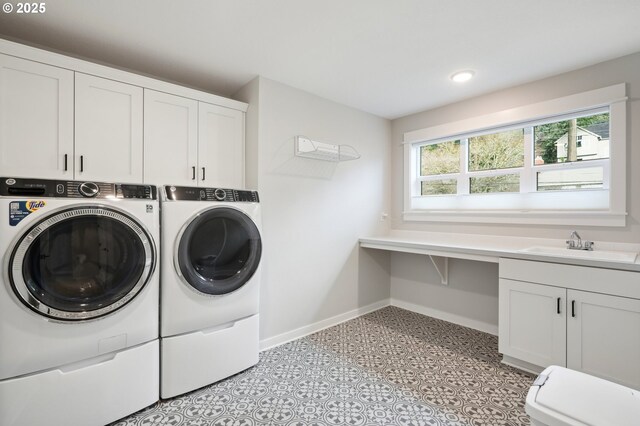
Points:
550	166
495	162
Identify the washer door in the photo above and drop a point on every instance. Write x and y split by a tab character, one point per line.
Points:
219	251
81	263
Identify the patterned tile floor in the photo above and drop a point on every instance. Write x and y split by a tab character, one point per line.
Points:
390	367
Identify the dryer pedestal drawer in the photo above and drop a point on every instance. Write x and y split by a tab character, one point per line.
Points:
191	361
94	393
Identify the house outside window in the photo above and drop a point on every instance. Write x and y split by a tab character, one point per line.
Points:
592	142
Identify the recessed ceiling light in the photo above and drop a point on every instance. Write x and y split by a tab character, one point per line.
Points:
462	76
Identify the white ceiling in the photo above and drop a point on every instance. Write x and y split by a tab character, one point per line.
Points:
388	57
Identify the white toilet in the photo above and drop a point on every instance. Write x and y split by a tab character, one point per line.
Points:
563	397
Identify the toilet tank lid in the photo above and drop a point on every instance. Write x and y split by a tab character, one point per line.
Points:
561	396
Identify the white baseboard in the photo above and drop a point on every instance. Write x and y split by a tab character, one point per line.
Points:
522	365
446	316
283	338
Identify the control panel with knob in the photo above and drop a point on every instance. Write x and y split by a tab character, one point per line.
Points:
89	189
194	193
75	189
220	194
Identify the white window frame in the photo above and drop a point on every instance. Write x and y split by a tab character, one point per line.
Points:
592	207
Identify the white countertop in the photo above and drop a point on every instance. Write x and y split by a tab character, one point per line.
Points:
489	248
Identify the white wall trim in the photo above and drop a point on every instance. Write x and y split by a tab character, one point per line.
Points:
446	316
306	330
519	217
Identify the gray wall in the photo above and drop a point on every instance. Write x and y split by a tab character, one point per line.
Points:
315	211
459	299
470	298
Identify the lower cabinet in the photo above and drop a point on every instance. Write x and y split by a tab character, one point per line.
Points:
532	323
603	336
542	324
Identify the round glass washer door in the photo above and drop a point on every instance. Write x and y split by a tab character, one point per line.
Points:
81	263
219	251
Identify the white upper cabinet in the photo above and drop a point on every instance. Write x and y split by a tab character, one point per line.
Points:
192	143
220	146
38	110
108	130
36	119
170	139
68	119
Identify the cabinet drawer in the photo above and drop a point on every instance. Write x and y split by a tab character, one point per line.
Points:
220	353
110	387
597	280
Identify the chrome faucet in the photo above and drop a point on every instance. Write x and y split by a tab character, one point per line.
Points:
575	242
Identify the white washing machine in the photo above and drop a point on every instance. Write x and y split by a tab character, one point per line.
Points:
210	285
78	301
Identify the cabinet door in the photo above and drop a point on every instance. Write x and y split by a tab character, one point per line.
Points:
603	336
170	139
531	322
220	146
108	142
36	119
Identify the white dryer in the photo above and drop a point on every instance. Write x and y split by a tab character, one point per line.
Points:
210	285
78	301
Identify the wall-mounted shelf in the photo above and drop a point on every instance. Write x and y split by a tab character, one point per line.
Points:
305	147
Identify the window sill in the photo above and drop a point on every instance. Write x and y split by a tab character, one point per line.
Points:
582	218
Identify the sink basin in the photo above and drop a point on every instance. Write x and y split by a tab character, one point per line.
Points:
602	255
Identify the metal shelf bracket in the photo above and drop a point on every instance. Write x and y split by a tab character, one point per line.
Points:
442	266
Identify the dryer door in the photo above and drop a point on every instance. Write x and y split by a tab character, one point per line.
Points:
81	263
219	251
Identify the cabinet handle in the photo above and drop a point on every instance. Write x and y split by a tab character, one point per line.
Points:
193	173
573	308
558	305
203	173
82	163
66	157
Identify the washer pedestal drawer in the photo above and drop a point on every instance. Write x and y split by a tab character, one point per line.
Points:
96	391
191	361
